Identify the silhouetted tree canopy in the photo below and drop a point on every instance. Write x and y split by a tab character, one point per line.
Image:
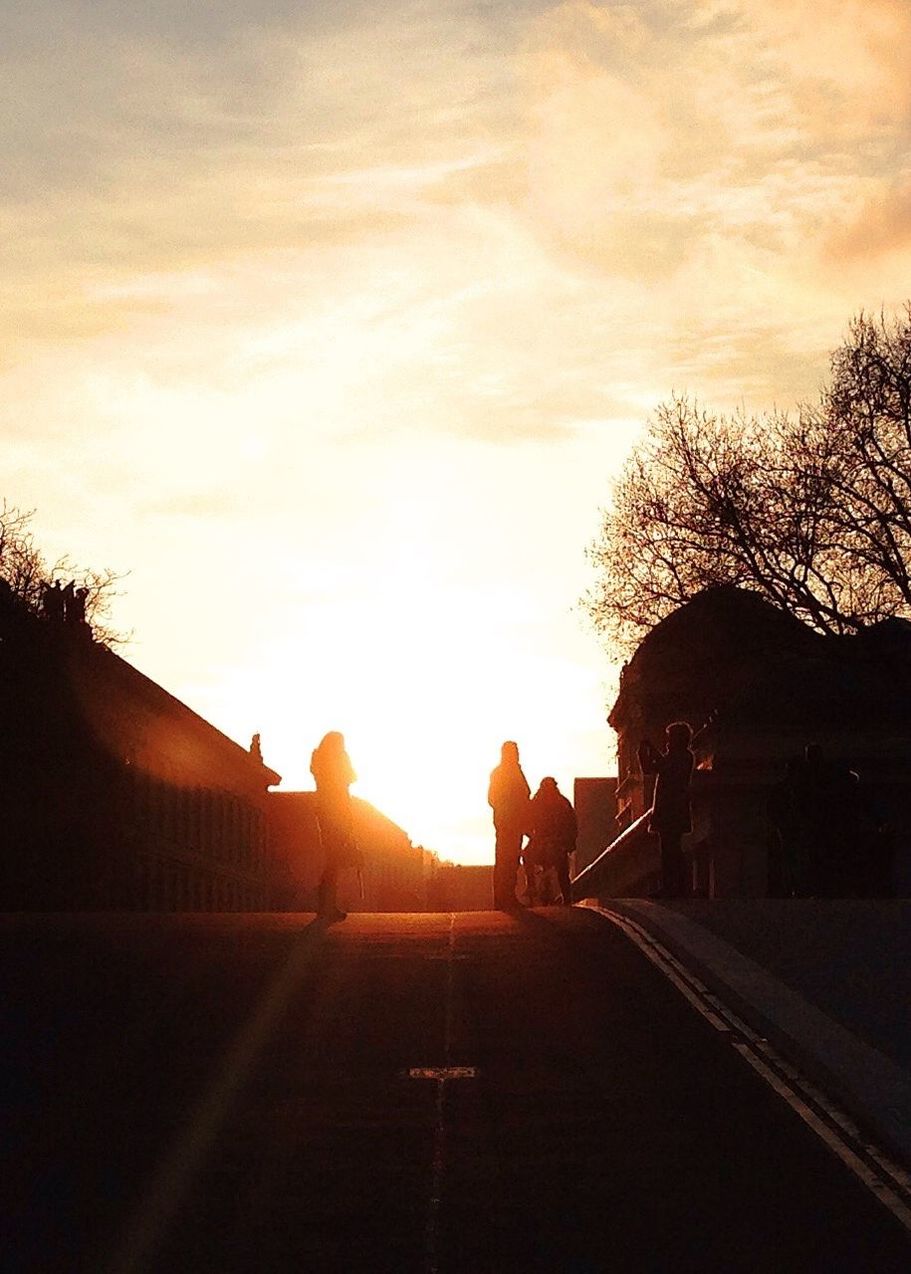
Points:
810	509
26	570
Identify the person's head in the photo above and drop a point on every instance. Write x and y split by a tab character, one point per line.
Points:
509	753
548	787
333	742
679	736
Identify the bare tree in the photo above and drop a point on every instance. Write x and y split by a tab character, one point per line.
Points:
866	413
812	510
27	573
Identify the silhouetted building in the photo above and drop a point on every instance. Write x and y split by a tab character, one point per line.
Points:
393	875
757	685
114	794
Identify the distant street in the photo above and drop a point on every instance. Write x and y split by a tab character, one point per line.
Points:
472	1092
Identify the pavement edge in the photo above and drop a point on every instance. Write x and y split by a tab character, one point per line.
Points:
875	1090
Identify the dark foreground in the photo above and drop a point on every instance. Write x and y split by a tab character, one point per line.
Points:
233	1093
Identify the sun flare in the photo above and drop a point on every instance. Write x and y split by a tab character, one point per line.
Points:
409	664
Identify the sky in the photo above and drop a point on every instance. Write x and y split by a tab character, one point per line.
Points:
329	325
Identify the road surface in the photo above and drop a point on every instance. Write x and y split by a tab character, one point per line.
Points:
473	1092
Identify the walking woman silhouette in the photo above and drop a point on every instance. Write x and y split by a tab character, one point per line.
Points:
331	767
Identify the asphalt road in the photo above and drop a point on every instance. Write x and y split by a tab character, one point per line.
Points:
238	1093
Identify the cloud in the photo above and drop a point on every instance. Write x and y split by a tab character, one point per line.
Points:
532	209
883	226
627	139
635	110
159	142
847	76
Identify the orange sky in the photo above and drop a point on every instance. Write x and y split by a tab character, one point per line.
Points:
330	324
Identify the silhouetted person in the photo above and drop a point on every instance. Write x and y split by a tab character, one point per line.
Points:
670	814
69	597
52	601
552	828
881	876
872	865
788	869
76	604
331	767
508	796
834	827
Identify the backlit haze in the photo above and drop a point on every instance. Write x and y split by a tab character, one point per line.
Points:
330	322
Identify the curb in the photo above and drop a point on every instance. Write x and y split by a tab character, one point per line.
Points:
875	1090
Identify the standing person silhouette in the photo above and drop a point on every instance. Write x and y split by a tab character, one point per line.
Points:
508	796
331	767
670	814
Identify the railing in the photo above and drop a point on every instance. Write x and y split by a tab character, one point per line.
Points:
628	868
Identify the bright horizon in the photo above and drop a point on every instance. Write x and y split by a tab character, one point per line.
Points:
330	325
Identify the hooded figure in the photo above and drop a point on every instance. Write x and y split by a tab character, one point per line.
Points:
507	795
552	827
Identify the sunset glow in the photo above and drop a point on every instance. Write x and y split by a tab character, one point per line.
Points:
329	325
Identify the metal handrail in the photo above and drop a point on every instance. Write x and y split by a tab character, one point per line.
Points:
585	883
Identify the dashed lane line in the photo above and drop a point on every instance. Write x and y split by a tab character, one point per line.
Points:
442	1075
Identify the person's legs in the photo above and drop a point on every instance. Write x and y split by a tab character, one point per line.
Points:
506	866
673	866
328	903
563	877
531	882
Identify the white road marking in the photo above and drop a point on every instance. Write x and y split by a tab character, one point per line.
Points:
886	1180
442	1074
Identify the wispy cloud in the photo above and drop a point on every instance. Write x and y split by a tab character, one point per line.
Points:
882	226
